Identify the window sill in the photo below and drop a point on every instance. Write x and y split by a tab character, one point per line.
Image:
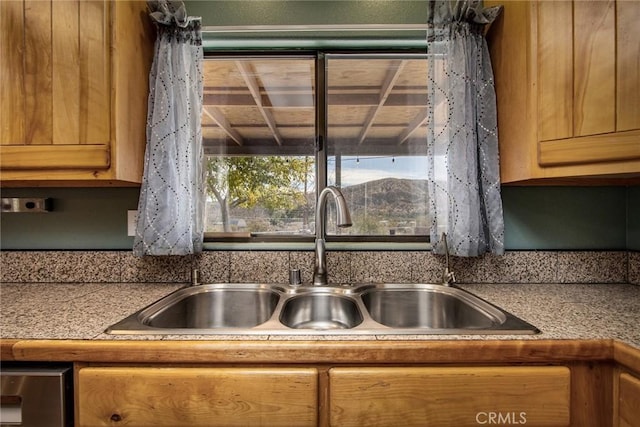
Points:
309	246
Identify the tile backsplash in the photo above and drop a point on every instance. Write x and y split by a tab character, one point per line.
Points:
343	266
634	268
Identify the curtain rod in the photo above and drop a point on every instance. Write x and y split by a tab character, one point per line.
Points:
314	28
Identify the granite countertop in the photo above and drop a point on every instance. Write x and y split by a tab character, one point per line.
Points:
84	311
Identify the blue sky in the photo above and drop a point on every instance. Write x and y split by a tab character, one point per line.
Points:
370	168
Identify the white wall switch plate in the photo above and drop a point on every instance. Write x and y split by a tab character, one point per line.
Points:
132	219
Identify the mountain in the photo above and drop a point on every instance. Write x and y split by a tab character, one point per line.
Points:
388	197
377	207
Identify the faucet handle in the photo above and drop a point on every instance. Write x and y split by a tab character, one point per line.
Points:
448	277
294	277
195	277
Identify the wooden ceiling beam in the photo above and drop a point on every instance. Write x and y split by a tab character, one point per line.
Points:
415	124
254	88
300	101
218	117
385	90
300	147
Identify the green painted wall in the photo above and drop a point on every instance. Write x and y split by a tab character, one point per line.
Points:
565	217
307	12
302	13
633	218
536	218
82	218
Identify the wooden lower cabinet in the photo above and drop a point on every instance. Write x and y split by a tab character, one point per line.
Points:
159	396
628	412
308	395
446	396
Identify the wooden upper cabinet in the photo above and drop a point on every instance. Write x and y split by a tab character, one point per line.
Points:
628	65
575	66
74	91
555	70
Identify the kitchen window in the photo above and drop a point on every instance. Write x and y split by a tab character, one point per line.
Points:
279	127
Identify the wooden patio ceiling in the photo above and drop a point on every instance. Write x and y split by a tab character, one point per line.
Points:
267	106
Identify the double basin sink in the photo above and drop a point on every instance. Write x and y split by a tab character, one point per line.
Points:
368	309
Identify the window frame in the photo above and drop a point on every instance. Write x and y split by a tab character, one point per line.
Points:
276	241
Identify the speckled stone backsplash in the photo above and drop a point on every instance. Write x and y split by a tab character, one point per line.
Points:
634	268
344	267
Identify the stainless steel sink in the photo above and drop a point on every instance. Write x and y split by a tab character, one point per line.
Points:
203	309
213	307
429	306
367	309
320	311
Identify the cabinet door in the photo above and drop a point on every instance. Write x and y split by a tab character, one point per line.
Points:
576	68
417	396
628	68
588	82
594	67
628	401
555	69
197	396
55	95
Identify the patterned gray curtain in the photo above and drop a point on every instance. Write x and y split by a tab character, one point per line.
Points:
171	204
464	173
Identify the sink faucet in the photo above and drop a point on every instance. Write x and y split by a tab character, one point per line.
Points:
447	275
344	220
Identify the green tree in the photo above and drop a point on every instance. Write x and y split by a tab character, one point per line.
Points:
272	182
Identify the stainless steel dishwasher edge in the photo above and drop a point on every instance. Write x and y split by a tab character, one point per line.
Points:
36	395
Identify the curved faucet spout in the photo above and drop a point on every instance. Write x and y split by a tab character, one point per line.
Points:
343	220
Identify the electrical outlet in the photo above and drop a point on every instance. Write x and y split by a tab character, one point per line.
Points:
132	219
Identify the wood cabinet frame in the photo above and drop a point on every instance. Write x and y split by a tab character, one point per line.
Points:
593	363
544	128
590	402
91	131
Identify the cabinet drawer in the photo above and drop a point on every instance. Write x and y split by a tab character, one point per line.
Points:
449	396
197	396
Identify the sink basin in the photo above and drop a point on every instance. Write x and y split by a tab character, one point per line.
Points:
429	306
214	308
207	307
320	311
367	309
